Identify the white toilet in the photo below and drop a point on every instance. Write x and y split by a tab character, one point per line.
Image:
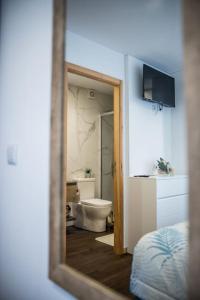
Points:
90	212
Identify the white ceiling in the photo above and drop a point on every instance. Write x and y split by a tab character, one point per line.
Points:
147	29
88	83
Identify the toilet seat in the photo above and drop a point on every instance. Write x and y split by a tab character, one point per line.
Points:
96	202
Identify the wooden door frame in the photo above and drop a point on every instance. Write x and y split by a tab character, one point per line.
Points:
118	145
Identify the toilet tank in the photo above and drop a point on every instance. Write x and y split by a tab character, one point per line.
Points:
86	187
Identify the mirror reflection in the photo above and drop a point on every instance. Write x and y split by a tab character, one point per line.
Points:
139	44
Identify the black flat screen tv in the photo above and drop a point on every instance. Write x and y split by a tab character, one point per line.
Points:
158	87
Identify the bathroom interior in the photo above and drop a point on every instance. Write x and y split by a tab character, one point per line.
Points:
90	149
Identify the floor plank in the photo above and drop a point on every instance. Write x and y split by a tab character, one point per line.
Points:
98	260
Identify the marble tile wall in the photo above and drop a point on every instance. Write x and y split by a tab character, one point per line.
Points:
83	134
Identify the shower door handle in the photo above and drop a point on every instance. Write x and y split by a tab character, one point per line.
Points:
113	168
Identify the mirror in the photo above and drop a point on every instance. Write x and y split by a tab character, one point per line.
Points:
149	194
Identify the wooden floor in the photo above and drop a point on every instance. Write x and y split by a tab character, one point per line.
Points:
98	260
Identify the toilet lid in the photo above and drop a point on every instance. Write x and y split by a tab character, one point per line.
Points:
96	202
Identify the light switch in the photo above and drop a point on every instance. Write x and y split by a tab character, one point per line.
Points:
12	154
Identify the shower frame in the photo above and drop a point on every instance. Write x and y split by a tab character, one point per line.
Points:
109	113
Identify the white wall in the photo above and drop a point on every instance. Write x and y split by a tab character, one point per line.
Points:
25	81
94	56
179	132
150	131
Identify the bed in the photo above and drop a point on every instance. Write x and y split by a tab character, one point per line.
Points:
160	261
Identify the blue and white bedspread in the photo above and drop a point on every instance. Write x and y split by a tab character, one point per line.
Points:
160	262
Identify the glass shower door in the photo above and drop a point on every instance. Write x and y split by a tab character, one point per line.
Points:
107	151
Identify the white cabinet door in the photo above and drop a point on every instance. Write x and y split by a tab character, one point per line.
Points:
172	187
171	210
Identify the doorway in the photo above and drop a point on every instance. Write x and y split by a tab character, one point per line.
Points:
111	173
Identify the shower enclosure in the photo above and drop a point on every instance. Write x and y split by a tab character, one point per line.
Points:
107	151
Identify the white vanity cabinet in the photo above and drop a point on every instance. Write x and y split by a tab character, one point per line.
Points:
155	202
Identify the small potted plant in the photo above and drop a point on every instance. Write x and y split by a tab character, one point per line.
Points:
88	173
164	167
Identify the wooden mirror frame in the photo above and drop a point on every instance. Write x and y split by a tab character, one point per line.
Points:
191	10
71	280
